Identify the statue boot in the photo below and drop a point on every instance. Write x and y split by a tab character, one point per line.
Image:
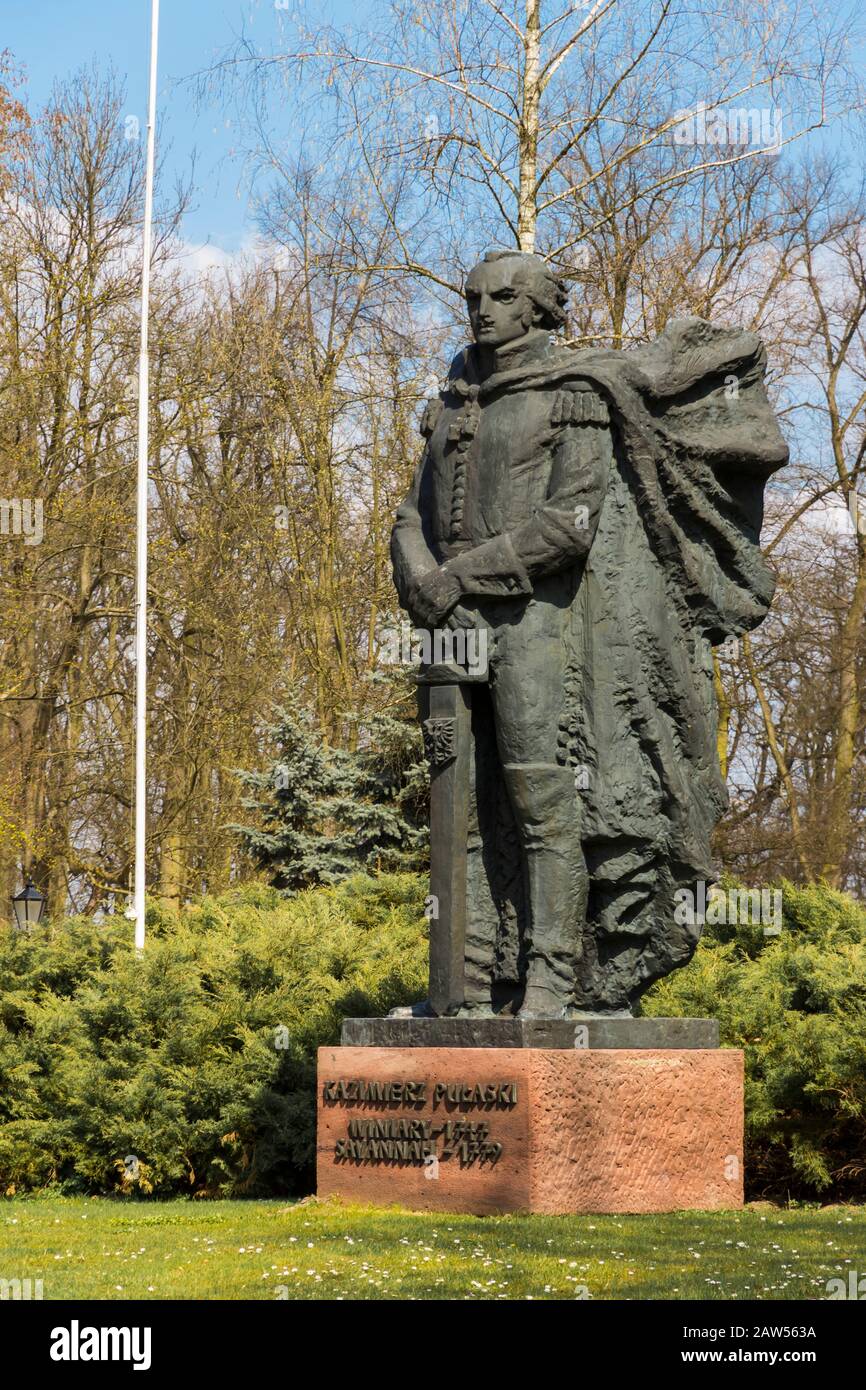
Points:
557	882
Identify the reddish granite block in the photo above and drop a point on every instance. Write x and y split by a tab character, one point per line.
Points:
525	1129
637	1131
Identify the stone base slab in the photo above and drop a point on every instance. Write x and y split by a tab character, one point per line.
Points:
532	1129
591	1031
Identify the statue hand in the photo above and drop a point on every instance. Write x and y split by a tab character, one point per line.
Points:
461	616
433	597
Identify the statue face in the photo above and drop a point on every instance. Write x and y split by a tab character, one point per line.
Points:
500	309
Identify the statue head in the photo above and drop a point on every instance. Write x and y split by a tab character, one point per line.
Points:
510	293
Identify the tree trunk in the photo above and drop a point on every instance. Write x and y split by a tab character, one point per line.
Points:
528	129
724	718
839	828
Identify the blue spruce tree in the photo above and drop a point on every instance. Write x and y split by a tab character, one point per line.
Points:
322	813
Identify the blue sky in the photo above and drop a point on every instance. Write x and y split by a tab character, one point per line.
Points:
53	38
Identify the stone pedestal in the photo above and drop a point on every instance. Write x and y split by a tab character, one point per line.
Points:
532	1128
591	1030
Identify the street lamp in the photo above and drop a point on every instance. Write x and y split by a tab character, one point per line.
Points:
28	906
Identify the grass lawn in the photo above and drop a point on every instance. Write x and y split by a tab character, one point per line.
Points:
85	1248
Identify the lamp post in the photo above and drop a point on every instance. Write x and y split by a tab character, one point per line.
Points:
28	906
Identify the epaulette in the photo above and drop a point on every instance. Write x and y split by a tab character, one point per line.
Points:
432	411
579	406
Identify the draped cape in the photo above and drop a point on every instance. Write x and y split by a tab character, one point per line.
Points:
700	440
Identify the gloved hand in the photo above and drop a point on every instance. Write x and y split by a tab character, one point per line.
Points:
433	596
461	616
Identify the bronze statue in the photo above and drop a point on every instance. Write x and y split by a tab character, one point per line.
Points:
596	515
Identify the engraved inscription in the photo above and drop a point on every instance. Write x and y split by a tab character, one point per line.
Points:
407	1140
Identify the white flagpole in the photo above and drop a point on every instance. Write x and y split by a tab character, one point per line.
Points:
141	508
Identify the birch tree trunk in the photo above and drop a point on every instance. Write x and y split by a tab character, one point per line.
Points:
527	209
